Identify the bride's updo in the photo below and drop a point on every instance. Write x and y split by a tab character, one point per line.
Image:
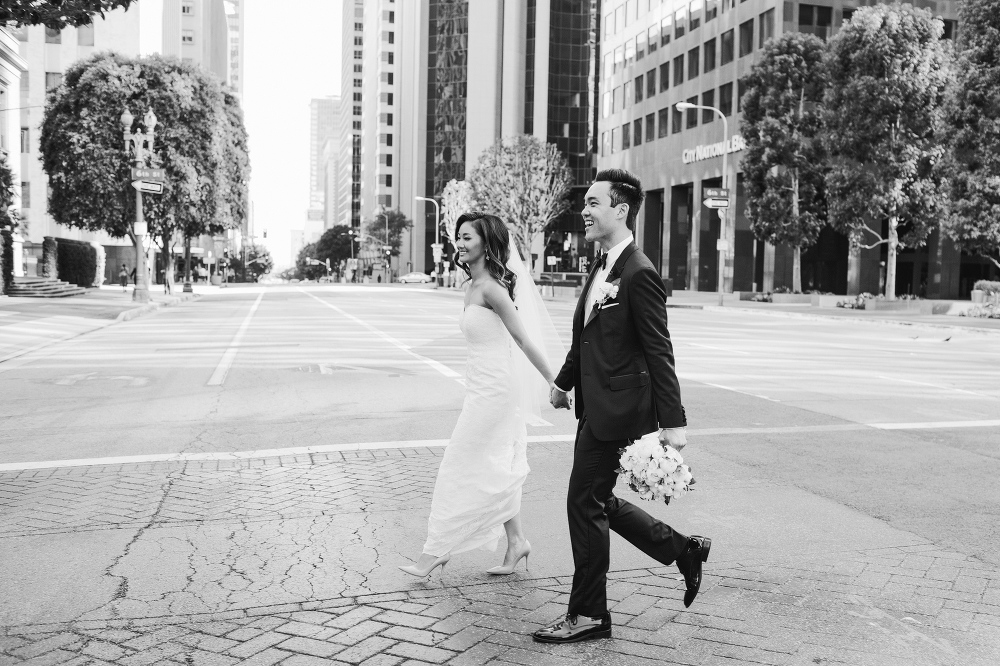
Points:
496	242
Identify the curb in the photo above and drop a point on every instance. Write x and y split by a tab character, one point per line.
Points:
129	315
822	317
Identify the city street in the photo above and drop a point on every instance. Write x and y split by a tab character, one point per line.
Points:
234	479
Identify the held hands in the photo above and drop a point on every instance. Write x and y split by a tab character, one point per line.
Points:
557	398
675	437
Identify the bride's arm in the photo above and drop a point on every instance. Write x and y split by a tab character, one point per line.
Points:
498	299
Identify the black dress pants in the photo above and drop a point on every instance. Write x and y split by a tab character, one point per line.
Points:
593	508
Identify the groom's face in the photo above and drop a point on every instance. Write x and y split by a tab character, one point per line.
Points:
600	219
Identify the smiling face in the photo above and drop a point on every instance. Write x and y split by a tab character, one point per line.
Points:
470	245
603	222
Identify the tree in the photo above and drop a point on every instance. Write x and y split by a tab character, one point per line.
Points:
525	182
888	71
57	15
335	244
784	161
971	162
89	174
6	193
398	224
258	262
457	198
305	270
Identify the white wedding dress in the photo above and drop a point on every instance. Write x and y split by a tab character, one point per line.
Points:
479	482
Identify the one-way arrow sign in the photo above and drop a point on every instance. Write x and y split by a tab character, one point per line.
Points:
148	187
717	203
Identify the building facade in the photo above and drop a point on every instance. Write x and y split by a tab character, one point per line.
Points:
347	155
656	54
324	114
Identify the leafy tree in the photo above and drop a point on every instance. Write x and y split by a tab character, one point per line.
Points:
457	198
972	133
258	262
303	269
525	182
89	174
398	224
57	14
784	160
335	245
888	72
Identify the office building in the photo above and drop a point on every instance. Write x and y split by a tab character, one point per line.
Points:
323	117
656	54
347	204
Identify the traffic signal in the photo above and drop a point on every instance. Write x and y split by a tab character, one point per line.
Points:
265	233
226	252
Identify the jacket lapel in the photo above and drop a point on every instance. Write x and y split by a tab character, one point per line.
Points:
616	272
582	303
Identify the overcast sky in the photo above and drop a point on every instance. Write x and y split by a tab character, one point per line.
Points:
292	55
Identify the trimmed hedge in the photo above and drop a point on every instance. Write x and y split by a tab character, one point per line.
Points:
76	262
6	261
990	287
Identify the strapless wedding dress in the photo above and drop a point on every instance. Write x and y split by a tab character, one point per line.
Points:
479	482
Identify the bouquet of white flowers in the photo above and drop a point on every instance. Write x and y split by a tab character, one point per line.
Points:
654	470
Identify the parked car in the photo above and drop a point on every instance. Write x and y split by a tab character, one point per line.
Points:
415	277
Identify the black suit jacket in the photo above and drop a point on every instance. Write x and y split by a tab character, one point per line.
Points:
621	362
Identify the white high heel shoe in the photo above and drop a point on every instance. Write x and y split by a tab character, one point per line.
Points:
423	573
505	570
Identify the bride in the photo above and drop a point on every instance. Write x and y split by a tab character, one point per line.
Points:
478	485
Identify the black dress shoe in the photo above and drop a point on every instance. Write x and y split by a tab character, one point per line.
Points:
689	563
575	628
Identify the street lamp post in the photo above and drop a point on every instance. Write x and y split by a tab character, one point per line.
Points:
140	145
438	249
727	233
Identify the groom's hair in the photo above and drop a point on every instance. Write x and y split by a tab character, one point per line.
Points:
625	189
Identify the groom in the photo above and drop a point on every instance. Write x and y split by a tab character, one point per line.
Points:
621	365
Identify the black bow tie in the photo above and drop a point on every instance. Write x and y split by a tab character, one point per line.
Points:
602	261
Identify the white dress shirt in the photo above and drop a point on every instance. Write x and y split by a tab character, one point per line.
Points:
602	274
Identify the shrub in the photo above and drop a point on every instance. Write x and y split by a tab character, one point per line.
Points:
763	298
856	303
50	249
77	262
991	287
988	311
6	261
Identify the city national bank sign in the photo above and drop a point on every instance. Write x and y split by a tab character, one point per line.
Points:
708	151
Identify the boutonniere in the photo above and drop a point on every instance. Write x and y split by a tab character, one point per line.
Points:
606	291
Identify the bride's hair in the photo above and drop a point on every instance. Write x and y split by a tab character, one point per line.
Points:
496	242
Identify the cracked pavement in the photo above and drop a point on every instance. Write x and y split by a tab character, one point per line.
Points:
828	549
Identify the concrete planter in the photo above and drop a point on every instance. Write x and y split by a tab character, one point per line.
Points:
791	299
895	306
978	296
826	300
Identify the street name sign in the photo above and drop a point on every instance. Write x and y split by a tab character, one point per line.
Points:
717	203
147	186
716	193
153	175
722	245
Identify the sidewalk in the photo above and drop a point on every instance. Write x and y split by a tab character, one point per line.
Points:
28	324
710	301
292	561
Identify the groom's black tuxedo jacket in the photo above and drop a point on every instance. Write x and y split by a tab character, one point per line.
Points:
621	362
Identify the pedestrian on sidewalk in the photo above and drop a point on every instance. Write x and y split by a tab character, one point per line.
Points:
123	277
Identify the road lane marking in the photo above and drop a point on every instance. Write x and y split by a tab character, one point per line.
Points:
937	386
729	388
222	370
443	369
937	425
433	443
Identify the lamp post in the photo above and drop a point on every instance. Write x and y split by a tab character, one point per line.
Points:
139	145
438	248
727	233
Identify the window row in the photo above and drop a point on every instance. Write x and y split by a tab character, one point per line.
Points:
84	35
634	51
671	120
689	16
